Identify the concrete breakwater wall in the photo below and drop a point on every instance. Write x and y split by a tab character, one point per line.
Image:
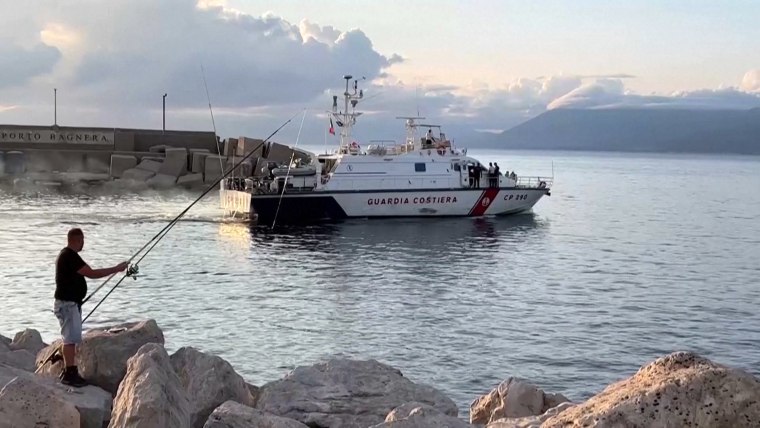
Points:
153	157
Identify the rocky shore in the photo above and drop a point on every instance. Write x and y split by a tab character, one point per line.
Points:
136	383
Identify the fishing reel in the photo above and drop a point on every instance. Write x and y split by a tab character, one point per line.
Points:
133	271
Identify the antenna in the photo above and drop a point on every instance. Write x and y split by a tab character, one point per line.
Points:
416	99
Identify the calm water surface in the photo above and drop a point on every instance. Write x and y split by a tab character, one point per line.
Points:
630	258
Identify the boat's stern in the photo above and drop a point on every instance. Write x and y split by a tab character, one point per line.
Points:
235	197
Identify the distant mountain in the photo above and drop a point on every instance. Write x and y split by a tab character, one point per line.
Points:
637	130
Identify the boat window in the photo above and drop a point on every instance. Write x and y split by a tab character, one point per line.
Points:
457	167
419	167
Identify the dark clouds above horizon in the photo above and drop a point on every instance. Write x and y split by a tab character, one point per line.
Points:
112	62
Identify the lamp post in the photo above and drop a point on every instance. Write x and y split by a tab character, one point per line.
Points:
163	129
55	106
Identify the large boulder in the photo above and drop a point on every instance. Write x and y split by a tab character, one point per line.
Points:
679	390
419	415
235	415
29	340
25	404
513	398
346	393
150	396
208	381
102	356
20	358
92	403
530	421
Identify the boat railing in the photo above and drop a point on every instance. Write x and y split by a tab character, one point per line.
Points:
534	182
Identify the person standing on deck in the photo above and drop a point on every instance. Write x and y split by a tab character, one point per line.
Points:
478	174
70	291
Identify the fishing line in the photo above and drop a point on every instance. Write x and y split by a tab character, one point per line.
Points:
213	123
133	270
287	174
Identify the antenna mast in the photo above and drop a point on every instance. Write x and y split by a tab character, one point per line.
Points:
347	119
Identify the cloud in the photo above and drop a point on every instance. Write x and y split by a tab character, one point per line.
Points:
611	93
751	81
19	65
113	61
159	47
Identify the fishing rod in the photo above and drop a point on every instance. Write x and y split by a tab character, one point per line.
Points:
133	270
221	166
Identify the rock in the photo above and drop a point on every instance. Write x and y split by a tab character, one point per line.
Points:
208	381
20	358
137	174
198	158
175	163
513	398
151	165
161	181
160	148
4	341
212	168
23	403
419	415
121	163
346	393
253	390
530	421
150	394
92	403
678	390
103	354
235	415
29	339
190	180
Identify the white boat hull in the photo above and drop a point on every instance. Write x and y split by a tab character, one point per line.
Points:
314	206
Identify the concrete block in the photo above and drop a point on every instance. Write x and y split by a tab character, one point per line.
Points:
230	146
137	174
198	160
161	148
121	163
97	162
161	181
212	170
247	145
175	163
149	165
190	180
15	163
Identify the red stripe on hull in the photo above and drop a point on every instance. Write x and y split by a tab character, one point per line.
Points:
484	201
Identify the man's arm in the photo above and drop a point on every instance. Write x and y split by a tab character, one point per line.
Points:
91	273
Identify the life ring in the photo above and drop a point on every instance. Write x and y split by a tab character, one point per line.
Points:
542	185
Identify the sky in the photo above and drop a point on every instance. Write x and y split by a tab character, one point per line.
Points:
475	67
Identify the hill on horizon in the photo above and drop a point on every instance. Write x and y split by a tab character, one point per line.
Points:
637	130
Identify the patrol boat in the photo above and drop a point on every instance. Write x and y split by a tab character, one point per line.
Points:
425	176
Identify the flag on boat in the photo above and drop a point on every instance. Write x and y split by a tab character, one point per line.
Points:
332	128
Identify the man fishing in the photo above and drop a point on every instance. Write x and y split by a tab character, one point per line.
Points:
70	291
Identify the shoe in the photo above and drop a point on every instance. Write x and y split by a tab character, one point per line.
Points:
70	376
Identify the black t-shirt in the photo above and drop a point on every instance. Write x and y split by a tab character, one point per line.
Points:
69	285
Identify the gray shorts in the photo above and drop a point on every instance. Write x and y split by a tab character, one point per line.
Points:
70	318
